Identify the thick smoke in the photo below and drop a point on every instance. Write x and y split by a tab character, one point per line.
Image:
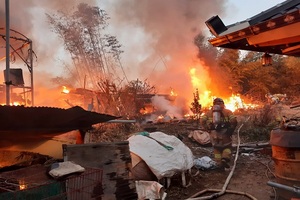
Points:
29	19
157	37
161	37
165	31
165	106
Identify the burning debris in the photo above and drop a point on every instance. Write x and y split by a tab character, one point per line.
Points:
276	98
167	111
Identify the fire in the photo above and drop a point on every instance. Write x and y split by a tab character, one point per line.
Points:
22	185
172	93
13	104
234	102
147	109
187	116
160	118
65	90
206	97
196	82
16	104
204	94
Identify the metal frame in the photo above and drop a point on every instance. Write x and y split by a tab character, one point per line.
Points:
27	59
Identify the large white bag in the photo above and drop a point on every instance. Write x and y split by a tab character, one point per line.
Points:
161	161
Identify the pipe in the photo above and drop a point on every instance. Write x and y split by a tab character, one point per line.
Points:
226	191
285	187
7	48
295	106
31	74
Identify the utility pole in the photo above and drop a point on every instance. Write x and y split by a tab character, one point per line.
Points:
7	37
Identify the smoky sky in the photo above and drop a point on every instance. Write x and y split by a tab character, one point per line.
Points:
23	15
170	25
168	30
156	35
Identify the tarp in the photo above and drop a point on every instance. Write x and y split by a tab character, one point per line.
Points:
61	169
161	161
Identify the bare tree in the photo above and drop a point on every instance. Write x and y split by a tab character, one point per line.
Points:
94	53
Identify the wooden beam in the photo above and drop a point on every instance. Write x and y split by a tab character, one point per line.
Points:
284	41
277	36
288	50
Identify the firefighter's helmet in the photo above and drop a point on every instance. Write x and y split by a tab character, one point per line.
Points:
218	101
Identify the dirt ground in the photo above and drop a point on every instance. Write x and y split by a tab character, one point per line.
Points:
250	176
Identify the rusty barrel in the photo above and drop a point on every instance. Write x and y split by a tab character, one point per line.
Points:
286	157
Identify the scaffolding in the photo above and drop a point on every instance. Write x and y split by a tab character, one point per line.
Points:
21	47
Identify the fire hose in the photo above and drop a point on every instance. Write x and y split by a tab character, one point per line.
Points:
223	190
295	190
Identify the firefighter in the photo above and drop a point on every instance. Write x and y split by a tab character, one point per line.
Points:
220	123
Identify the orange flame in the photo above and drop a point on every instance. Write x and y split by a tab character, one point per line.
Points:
65	90
22	185
13	104
206	97
172	93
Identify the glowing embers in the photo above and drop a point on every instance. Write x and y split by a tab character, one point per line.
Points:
22	184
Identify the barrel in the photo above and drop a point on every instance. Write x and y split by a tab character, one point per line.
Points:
286	157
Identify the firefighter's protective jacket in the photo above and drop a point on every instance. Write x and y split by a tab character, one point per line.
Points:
221	135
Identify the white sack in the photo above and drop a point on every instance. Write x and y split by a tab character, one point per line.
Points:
162	162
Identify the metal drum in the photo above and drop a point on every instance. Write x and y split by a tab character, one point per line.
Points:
286	156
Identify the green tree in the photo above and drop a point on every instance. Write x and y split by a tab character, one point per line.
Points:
290	80
259	79
228	61
243	73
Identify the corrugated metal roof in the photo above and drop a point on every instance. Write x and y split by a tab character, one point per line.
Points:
47	120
